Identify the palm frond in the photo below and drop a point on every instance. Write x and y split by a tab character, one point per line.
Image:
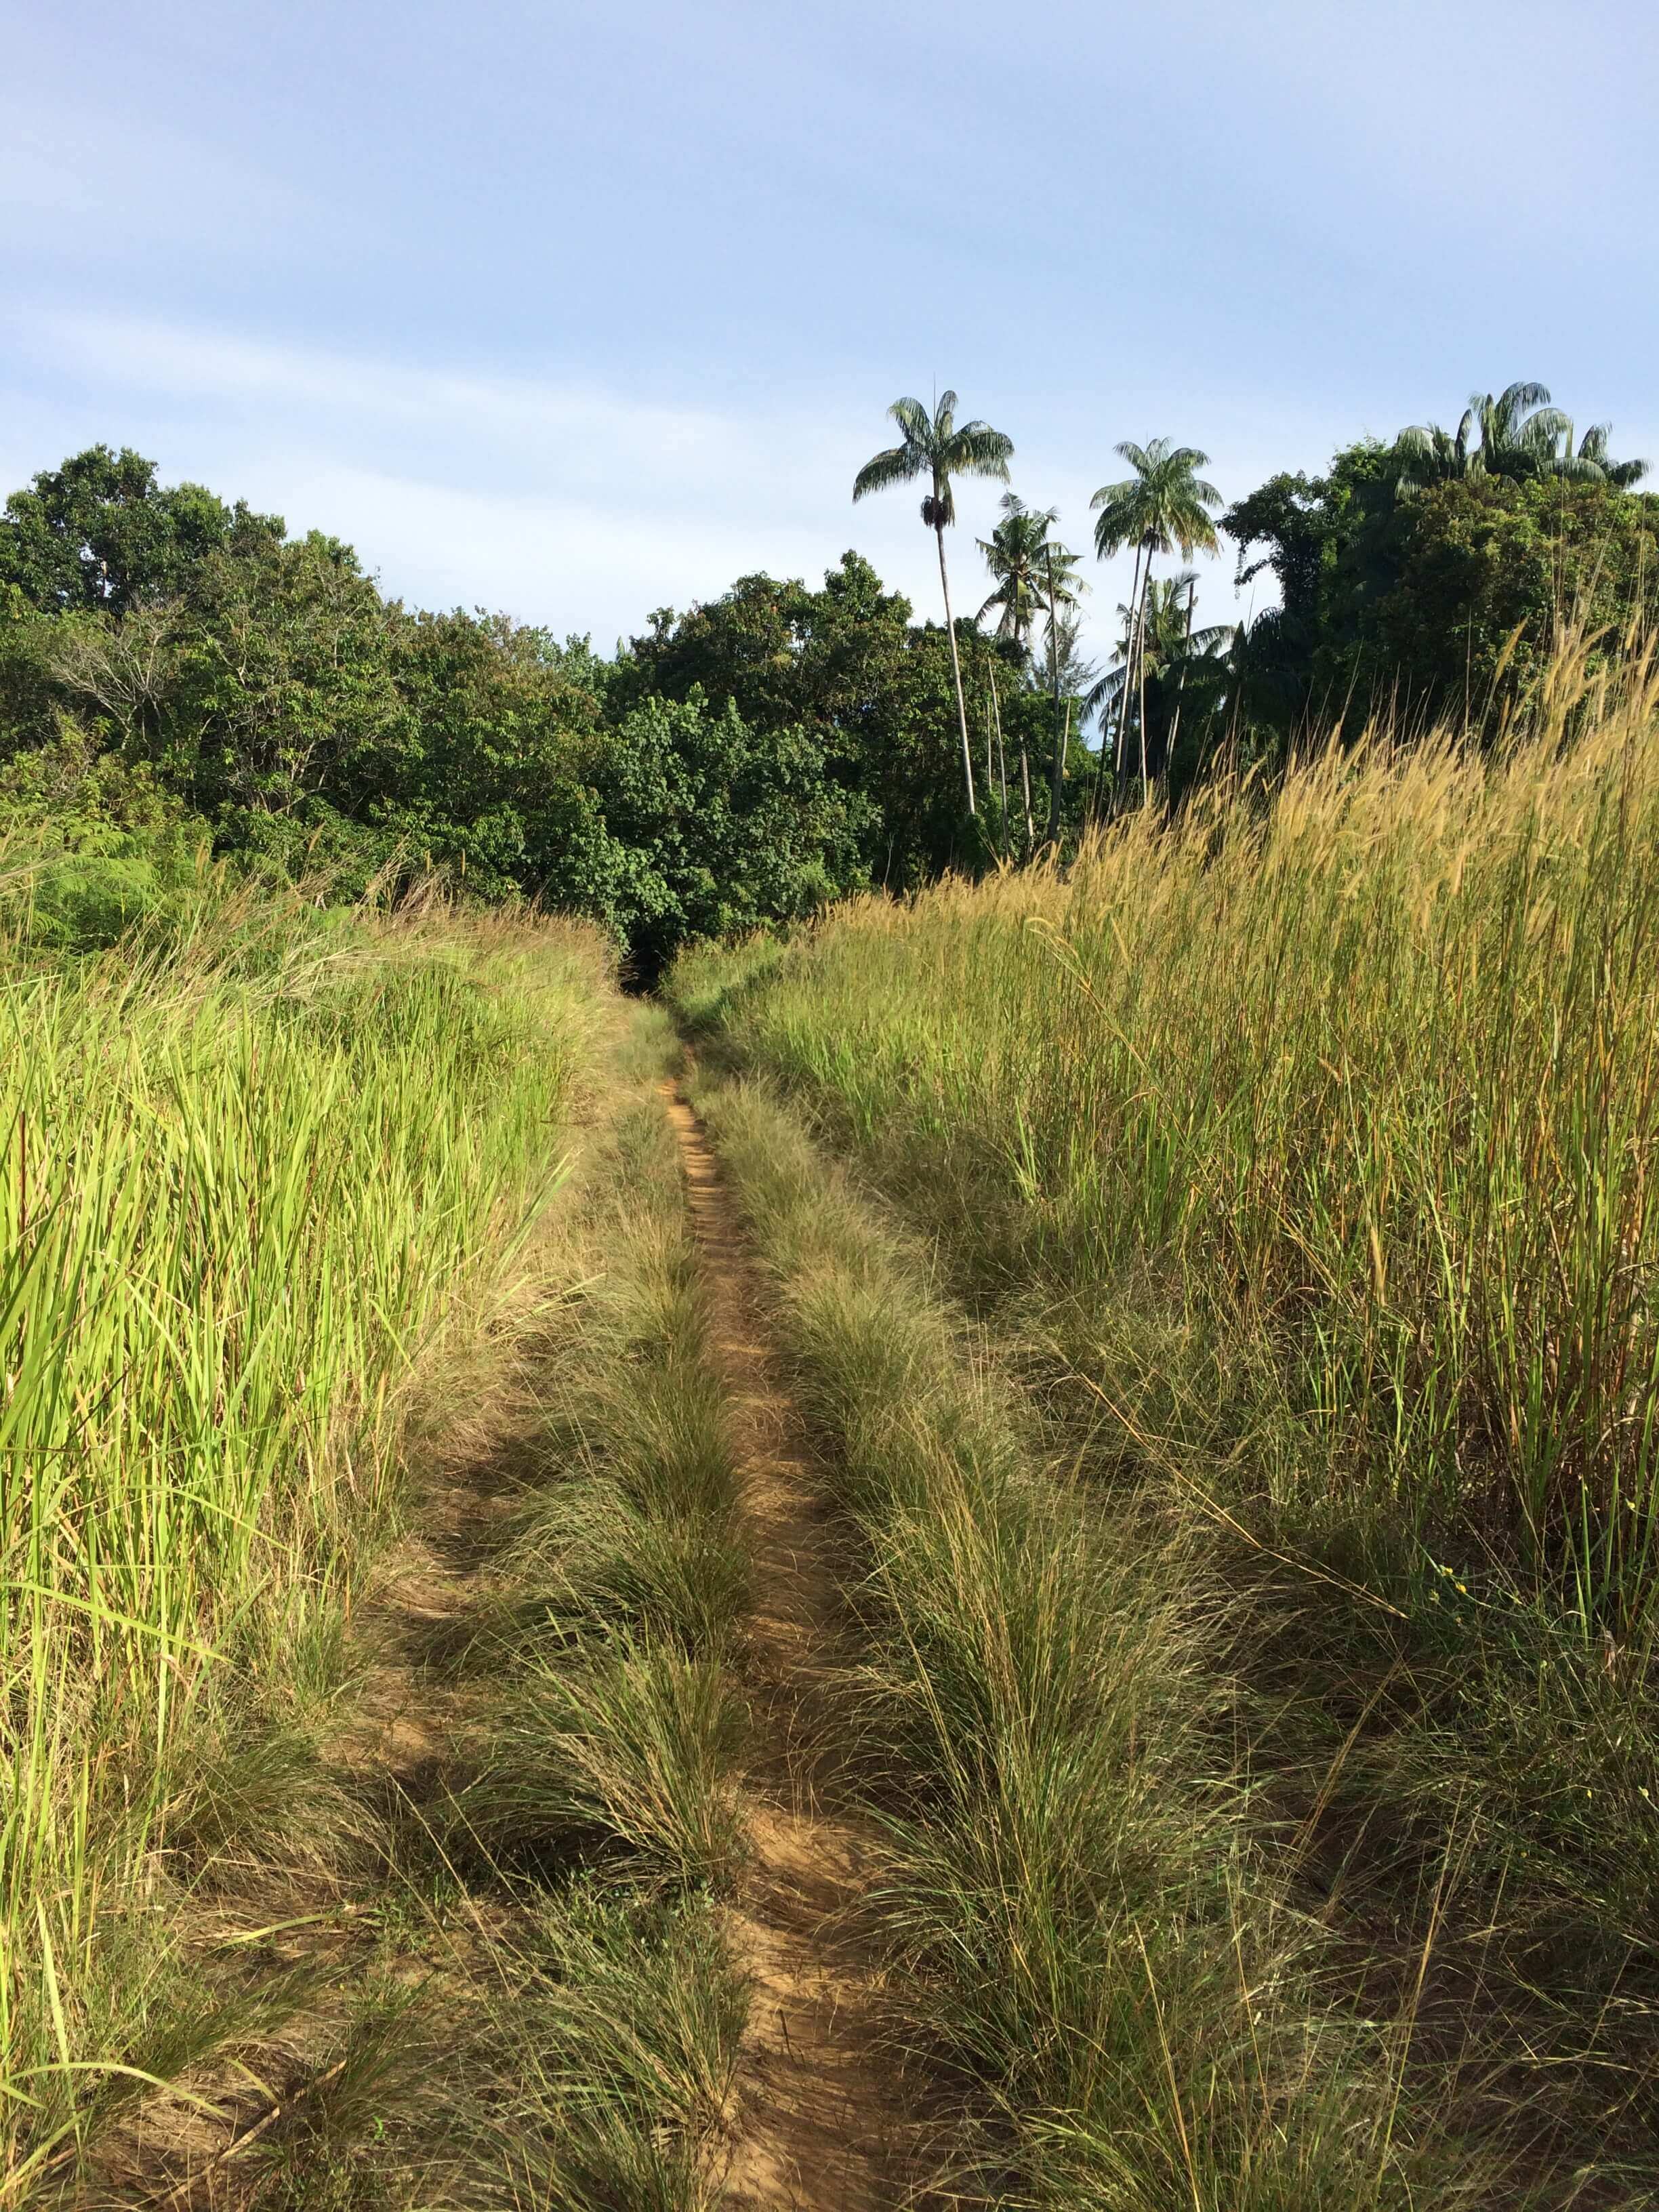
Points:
913	419
897	465
1593	446
977	450
1105	694
1516	400
1544	428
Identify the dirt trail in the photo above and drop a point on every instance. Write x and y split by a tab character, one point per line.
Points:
819	2125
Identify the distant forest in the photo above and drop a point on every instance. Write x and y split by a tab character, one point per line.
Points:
178	673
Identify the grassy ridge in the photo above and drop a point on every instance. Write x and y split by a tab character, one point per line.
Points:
1301	1160
251	1166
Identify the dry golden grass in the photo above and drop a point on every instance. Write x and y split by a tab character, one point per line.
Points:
1300	1156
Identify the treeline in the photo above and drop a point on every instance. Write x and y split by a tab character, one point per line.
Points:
176	671
1430	579
172	667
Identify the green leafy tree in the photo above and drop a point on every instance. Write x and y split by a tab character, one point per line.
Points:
1487	576
100	533
1163	505
1331	544
286	679
940	448
1444	603
730	827
745	646
846	663
486	770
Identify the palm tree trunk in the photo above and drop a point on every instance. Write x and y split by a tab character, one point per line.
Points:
1060	735
1002	767
956	666
1120	736
1000	836
1025	785
1181	687
1140	657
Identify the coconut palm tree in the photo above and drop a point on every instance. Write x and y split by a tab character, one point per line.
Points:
1518	435
937	447
1169	648
1017	553
1164	505
1035	576
1175	667
1013	553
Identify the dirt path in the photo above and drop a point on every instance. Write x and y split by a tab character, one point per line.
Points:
819	2124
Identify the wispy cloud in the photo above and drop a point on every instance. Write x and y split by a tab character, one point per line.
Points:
91	173
577	505
573	432
564	503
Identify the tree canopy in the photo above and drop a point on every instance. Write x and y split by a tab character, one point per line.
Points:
177	669
1444	603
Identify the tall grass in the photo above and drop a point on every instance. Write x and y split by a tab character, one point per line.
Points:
1299	1156
476	1943
601	1776
1081	1927
250	1164
1369	1071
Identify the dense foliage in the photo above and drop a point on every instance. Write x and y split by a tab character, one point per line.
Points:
1445	602
177	673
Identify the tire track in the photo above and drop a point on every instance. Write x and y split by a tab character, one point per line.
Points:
820	2124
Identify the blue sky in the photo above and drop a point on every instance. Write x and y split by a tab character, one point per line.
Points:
574	310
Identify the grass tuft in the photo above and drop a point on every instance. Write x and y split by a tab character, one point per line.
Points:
627	1752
